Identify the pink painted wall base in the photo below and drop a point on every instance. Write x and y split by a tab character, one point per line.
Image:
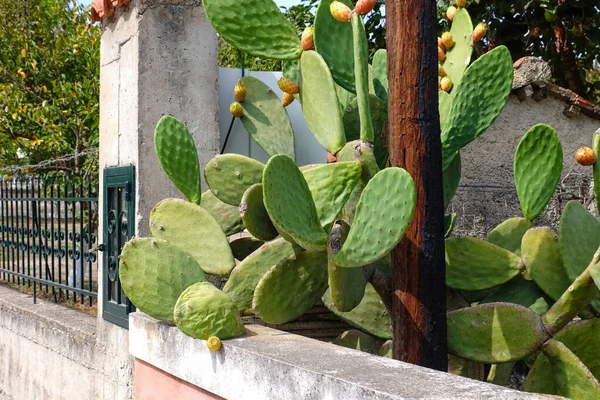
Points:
152	383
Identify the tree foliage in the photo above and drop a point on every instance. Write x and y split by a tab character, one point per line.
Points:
49	83
564	33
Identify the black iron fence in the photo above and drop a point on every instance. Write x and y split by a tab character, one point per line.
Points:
48	236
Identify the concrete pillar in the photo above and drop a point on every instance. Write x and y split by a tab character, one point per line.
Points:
157	57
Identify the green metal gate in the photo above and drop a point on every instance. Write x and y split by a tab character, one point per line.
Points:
118	228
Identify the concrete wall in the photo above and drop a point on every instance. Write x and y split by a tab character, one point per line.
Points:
48	351
487	196
270	364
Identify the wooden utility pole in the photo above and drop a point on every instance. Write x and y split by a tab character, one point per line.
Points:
418	282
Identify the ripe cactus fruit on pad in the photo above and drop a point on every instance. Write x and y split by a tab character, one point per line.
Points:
337	53
458	56
382	216
537	169
246	275
266	120
255	216
226	215
203	311
178	156
477	100
193	229
571	377
369	316
229	175
494	333
290	288
473	264
579	238
288	201
255	26
544	263
509	234
346	285
154	273
330	186
320	103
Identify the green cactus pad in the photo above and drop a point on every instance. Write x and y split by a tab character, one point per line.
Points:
386	349
291	70
578	239
358	340
255	26
370	315
255	216
449	222
583	339
154	273
519	291
477	100
290	288
320	102
289	203
244	246
537	169
467	368
459	56
494	333
246	275
509	234
203	311
230	175
362	76
473	264
178	156
544	263
227	216
500	373
379	117
451	179
445	106
571	376
330	186
380	78
193	229
382	216
344	97
338	52
266	119
346	285
540	378
596	168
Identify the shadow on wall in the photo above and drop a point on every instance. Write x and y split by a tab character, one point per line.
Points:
308	150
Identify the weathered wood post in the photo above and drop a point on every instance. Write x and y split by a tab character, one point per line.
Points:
419	300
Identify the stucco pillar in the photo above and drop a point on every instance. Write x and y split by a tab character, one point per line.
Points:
157	57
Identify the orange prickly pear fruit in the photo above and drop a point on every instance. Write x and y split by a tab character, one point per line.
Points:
451	12
585	156
448	40
441	44
461	3
446	84
479	32
213	343
340	11
236	109
307	39
287	99
288	86
240	91
363	7
441	54
441	71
